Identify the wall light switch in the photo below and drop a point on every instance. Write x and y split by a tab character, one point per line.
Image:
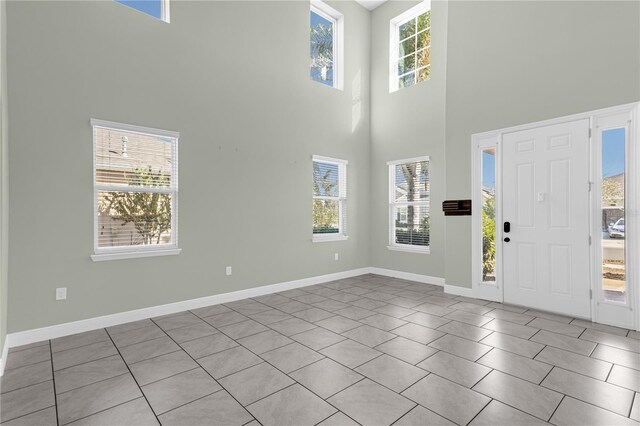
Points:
61	293
336	256
228	270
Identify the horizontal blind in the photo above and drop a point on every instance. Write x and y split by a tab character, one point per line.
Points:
134	160
329	179
411	182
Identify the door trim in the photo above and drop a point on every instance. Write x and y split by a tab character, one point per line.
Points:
480	141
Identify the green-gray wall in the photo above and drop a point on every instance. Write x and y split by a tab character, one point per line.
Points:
233	79
4	181
507	63
250	122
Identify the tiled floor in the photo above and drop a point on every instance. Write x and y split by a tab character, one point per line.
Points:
368	350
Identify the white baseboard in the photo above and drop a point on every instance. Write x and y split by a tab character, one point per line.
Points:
408	276
60	330
459	291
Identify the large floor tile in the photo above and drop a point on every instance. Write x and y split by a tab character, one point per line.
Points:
129	326
338	419
252	308
391	372
625	377
160	367
294	405
269	317
510	316
217	409
26	357
464	348
83	402
448	399
138	335
291	357
92	352
549	316
355	313
209	311
468	318
254	383
339	324
617	356
90	372
513	344
243	329
418	333
313	314
350	353
148	349
227	318
513	329
574	362
26	400
572	412
420	416
383	322
227	362
427	320
368	335
456	369
46	416
77	340
293	306
516	365
208	345
596	392
136	412
369	403
191	332
326	377
331	305
430	308
21	377
600	327
556	327
177	321
518	393
393	311
497	413
292	326
318	338
172	392
265	341
465	330
626	343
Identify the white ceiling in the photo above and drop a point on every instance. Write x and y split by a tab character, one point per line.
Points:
371	4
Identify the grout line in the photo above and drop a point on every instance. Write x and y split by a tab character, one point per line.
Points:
53	379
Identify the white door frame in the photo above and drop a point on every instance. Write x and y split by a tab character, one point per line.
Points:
480	141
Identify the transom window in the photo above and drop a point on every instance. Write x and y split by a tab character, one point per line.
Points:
409	204
329	199
135	189
325	39
410	53
159	9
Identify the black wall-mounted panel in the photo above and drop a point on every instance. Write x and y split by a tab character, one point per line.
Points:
456	207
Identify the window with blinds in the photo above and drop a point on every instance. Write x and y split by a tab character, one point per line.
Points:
135	188
409	204
329	198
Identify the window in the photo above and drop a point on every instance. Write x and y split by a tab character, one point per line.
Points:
157	8
326	44
409	205
135	191
410	47
488	215
329	199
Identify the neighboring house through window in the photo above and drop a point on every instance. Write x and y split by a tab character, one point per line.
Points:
135	191
410	47
326	44
329	199
409	190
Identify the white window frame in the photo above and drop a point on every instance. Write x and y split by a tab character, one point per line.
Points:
393	206
394	40
341	198
337	19
165	15
128	252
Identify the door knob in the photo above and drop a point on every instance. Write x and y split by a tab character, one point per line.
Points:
506	240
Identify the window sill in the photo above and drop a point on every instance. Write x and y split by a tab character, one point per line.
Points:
134	254
410	249
329	238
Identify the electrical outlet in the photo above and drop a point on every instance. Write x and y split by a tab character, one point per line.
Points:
228	270
336	256
61	293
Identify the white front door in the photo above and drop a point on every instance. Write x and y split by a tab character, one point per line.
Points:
546	202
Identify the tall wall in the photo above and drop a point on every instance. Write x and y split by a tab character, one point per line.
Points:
232	78
4	179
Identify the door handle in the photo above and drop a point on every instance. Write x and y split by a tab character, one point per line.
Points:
507	227
506	240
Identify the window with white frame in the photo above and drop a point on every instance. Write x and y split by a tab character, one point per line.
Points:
326	44
329	198
159	9
410	47
135	190
409	189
